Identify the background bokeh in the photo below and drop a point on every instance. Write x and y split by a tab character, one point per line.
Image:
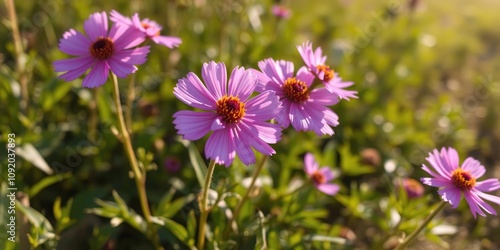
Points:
427	73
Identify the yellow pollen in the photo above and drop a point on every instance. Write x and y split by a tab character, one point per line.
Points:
231	108
102	48
295	90
145	25
463	179
329	73
318	177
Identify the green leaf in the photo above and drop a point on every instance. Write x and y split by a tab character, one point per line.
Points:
191	228
31	154
200	168
170	209
45	182
35	217
53	91
175	228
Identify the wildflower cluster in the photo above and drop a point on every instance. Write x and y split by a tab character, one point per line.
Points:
248	110
117	49
238	122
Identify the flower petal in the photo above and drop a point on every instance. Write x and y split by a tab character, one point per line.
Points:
75	63
263	107
436	182
97	75
74	43
215	77
119	19
243	149
327	173
260	134
474	166
167	41
125	37
96	26
220	147
329	189
191	91
473	205
134	56
488	185
119	68
451	194
241	83
310	164
193	125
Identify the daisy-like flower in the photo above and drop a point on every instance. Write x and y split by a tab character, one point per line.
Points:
315	62
237	121
320	176
101	51
304	108
454	179
150	28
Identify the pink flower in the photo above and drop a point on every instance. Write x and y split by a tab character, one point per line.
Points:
412	187
101	51
237	121
149	27
315	62
454	180
320	176
281	11
304	108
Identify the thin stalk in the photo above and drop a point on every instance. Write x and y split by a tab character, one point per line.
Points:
139	176
19	53
243	199
203	203
130	100
413	235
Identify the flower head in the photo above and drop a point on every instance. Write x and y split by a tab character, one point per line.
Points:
150	28
315	62
454	179
320	176
100	51
304	108
281	11
237	121
412	187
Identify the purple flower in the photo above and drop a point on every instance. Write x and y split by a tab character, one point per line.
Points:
454	180
304	108
150	28
315	62
237	121
101	51
281	11
412	187
320	176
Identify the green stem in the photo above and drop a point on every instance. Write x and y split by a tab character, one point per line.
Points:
242	201
130	99
413	235
139	176
203	204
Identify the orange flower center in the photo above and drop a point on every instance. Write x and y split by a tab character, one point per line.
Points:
295	90
102	48
230	108
329	73
463	179
318	177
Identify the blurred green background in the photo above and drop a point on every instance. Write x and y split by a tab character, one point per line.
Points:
427	73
